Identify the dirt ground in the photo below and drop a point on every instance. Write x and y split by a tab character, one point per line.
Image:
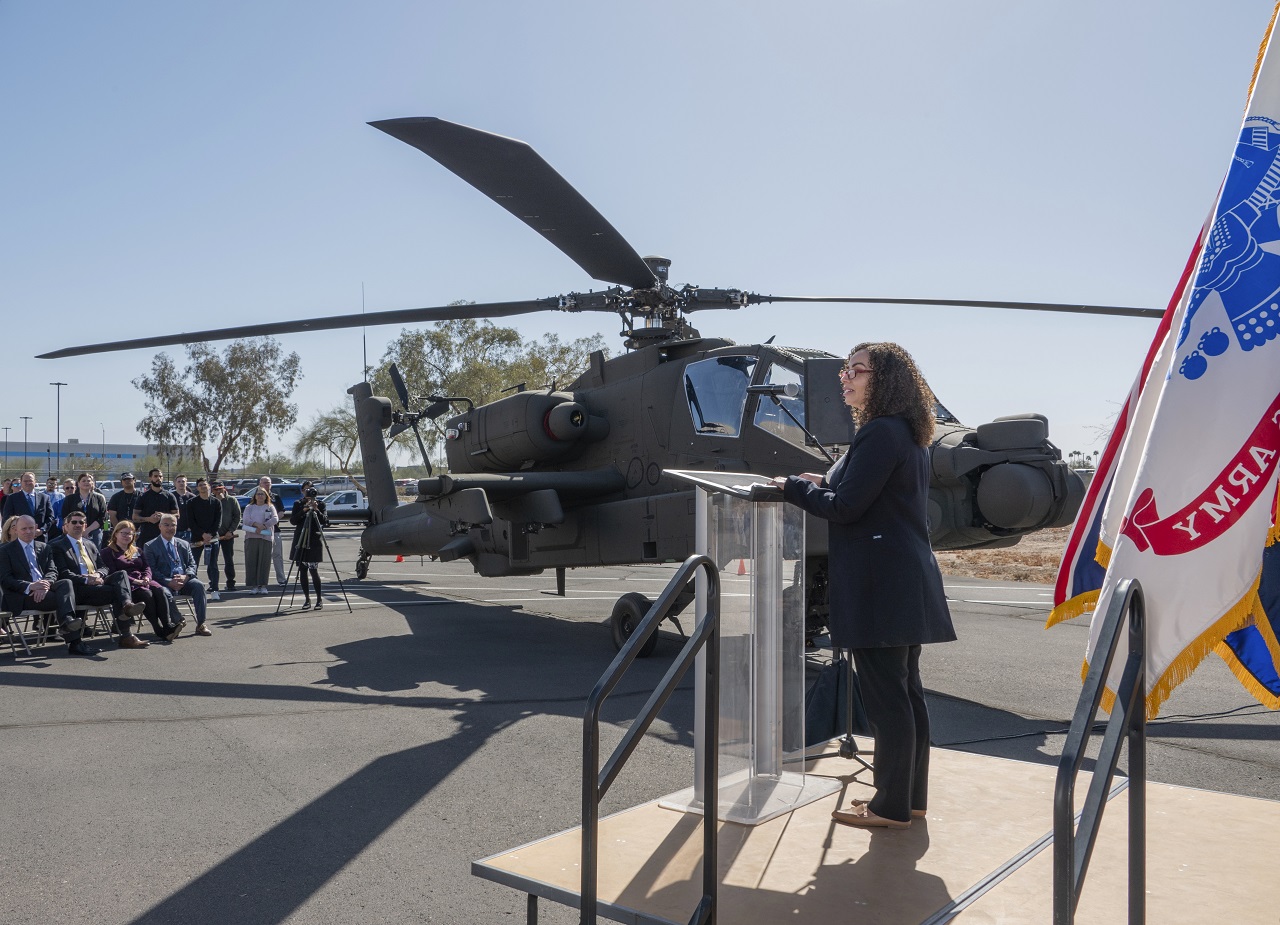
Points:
1035	558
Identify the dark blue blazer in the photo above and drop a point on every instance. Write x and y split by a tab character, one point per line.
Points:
15	573
17	505
885	587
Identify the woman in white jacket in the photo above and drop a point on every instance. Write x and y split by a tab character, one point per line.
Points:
260	522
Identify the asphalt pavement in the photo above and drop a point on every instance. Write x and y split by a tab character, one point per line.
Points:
335	766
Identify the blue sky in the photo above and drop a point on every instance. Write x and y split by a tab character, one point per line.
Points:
171	167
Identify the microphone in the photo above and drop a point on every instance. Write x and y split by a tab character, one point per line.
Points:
789	390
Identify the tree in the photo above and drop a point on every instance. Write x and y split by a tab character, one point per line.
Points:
334	432
476	360
230	401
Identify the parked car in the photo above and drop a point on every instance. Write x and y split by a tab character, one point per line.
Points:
289	492
108	487
347	505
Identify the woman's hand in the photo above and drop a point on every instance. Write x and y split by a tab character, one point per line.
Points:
814	477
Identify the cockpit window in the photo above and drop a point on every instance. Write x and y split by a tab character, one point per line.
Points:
717	393
773	418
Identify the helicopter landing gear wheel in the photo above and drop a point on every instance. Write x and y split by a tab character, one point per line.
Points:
627	614
362	568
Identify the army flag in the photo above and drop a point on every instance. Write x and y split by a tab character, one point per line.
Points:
1192	496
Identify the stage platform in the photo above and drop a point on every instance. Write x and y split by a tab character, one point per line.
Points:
983	855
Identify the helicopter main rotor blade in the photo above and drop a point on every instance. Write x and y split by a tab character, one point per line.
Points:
401	316
514	176
401	389
752	298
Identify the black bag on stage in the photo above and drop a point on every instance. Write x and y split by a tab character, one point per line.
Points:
826	712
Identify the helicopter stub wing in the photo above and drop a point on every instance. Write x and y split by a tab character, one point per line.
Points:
516	177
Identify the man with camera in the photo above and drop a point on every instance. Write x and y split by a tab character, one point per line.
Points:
309	520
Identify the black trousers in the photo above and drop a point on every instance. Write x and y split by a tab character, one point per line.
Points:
114	590
894	697
61	599
227	548
157	611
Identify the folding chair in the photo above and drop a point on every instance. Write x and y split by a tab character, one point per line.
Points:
20	631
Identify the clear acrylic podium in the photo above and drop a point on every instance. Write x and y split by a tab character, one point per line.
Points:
757	541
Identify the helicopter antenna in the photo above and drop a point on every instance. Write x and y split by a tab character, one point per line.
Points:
364	339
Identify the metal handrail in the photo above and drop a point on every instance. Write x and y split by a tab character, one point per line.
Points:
1071	848
596	781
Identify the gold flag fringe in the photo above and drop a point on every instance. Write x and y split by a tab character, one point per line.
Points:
1181	668
1246	679
1075	607
1211	640
1081	603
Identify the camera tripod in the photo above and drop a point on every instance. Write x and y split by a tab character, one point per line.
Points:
310	529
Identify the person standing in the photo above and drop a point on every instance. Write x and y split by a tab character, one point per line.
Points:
230	523
886	590
309	519
204	514
183	498
155	502
261	523
26	501
124	502
89	501
277	547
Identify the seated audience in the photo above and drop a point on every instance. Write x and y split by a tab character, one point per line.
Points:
77	559
174	567
29	581
121	555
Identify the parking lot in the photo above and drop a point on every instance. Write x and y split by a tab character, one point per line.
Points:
335	766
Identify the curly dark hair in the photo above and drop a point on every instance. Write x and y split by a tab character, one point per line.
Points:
896	387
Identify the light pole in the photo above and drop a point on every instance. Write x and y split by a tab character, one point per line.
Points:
58	432
6	449
26	418
104	446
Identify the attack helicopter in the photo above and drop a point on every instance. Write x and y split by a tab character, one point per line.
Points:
576	476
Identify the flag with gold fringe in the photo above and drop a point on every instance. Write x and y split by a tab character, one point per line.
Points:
1080	573
1190	505
1252	653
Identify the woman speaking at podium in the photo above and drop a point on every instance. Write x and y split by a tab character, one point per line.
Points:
886	591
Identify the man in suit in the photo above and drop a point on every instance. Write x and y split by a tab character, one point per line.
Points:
29	580
31	503
174	566
80	562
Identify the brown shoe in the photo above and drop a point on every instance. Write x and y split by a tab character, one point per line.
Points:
132	610
860	815
133	642
203	630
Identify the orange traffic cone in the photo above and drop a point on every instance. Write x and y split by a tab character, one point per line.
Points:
399	558
742	566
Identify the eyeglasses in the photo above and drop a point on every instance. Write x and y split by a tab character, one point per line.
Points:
853	372
76	523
